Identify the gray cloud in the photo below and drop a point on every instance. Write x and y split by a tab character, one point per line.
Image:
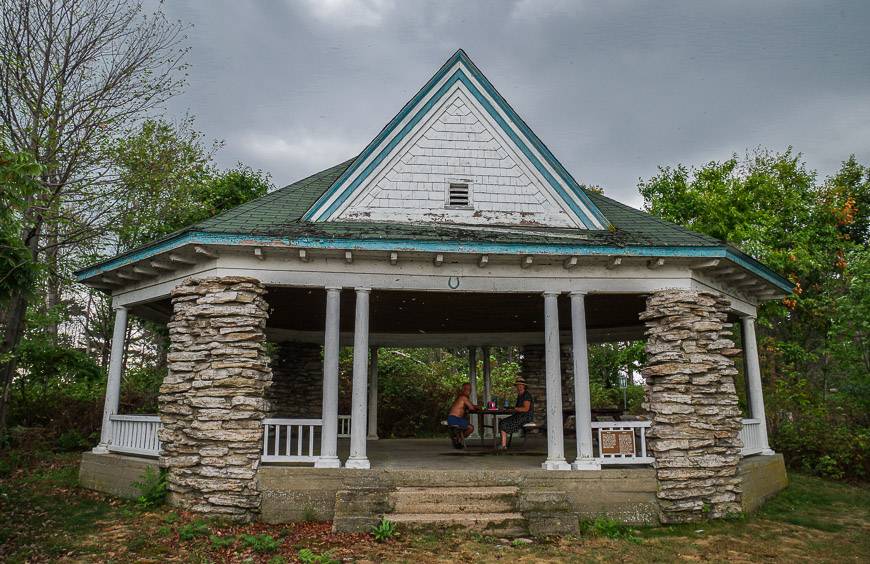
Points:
613	88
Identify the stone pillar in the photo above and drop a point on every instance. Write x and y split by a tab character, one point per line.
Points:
555	432
113	382
472	378
358	413
373	395
753	380
693	404
329	431
583	405
297	381
532	369
212	401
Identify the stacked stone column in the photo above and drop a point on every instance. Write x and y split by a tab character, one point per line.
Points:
693	404
297	380
212	400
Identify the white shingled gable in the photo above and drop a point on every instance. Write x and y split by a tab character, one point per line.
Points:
457	142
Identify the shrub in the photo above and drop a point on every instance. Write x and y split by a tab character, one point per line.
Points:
610	528
221	542
307	556
260	543
73	441
384	530
193	530
152	488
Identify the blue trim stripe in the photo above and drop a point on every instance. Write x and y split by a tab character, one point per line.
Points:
204	238
459	75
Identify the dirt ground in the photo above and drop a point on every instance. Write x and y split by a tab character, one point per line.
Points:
46	517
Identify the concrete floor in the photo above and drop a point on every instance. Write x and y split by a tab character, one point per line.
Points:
439	454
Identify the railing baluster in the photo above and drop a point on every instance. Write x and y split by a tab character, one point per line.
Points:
311	440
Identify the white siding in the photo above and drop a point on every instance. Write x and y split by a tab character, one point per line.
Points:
457	145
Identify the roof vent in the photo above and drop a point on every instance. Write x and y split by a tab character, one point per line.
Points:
458	195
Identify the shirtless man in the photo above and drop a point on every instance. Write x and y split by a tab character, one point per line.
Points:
458	415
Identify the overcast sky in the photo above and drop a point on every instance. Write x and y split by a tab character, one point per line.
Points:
613	88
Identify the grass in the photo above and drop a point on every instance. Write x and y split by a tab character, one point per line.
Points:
46	517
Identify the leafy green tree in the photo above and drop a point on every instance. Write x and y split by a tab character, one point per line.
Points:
19	174
815	340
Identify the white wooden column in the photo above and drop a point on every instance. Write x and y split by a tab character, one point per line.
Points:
582	403
555	432
487	390
329	412
472	378
373	395
358	410
113	383
753	380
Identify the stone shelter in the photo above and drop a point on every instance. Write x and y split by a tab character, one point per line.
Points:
455	226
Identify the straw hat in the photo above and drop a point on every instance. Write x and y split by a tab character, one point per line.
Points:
520	380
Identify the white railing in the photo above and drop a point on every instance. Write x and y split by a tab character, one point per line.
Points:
135	434
750	435
622	442
289	440
344	426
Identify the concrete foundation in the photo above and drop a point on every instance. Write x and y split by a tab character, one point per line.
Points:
113	473
293	493
360	497
761	477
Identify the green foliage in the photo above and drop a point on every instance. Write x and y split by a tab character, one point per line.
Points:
221	542
172	182
417	386
610	528
73	441
19	180
152	488
260	543
384	530
193	530
308	556
814	344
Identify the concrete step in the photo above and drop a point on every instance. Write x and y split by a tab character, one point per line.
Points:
500	524
453	499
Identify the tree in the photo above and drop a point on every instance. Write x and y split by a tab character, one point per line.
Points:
18	180
814	343
73	75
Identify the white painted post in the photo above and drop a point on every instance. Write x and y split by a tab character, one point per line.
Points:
373	395
472	378
329	430
487	390
753	377
358	411
582	403
552	353
113	383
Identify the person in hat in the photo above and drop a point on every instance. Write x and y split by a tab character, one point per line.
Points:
523	413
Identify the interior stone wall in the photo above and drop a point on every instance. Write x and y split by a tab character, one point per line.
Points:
693	404
533	369
212	401
297	381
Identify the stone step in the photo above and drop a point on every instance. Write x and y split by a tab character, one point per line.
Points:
458	499
500	524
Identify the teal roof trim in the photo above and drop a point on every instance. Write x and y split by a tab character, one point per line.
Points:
207	238
460	76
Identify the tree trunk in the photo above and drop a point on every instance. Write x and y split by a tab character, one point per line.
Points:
11	337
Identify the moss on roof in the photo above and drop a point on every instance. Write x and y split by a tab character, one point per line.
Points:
279	213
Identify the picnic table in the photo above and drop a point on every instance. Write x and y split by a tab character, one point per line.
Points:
494	425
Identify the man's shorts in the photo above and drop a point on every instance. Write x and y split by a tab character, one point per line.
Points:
455	421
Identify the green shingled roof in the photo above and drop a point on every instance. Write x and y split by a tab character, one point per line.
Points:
280	214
